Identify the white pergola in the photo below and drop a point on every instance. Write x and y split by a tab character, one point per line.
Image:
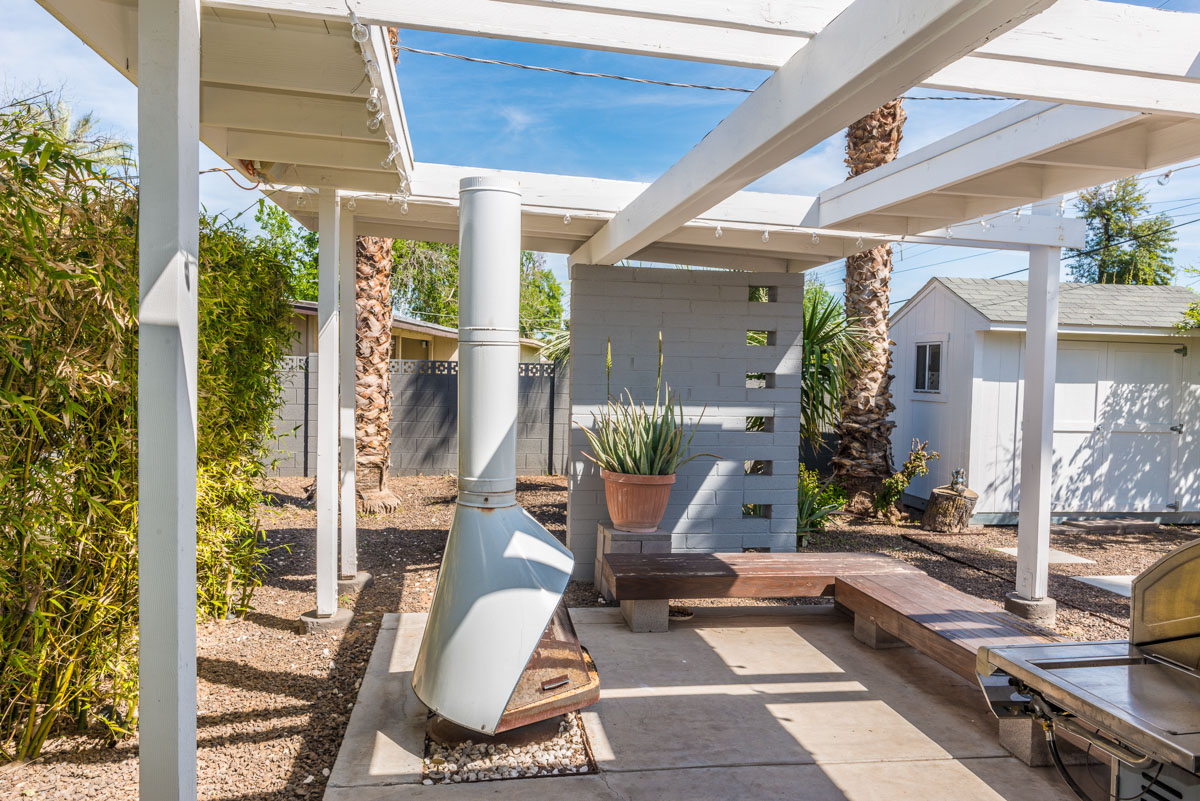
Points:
295	94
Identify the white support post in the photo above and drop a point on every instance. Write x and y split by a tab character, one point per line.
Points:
348	317
168	240
327	403
1037	433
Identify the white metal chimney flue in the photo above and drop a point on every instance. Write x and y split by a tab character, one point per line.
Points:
502	573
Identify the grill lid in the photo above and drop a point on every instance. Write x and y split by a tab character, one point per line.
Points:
1165	608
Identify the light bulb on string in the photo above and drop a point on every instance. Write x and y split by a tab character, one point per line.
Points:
300	202
984	224
718	233
859	244
373	104
359	32
766	237
374	123
1165	178
404	207
1062	206
816	240
391	200
566	219
351	204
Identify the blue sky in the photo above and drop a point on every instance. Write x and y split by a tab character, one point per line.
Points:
495	116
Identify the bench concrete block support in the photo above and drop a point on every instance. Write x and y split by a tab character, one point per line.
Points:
645	616
1025	739
614	540
868	632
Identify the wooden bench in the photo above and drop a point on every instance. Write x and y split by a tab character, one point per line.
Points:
644	583
946	625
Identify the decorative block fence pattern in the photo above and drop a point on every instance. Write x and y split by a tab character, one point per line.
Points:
425	418
747	497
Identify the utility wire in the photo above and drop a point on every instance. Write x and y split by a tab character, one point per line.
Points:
651	81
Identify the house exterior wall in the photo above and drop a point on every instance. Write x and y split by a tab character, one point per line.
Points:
996	421
944	418
704	317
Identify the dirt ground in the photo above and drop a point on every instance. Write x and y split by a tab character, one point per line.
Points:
273	706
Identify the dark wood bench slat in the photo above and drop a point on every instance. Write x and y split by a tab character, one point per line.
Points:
636	577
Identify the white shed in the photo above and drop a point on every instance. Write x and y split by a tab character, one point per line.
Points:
1126	400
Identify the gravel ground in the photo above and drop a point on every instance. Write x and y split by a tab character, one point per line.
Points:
563	754
273	706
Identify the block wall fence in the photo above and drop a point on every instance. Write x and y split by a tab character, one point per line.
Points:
425	418
717	505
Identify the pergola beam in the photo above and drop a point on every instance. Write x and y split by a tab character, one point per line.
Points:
1065	146
872	52
1145	54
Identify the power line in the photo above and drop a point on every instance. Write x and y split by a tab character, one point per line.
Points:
630	79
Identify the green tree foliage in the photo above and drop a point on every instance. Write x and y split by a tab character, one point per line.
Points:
68	415
1191	318
1125	244
285	241
425	286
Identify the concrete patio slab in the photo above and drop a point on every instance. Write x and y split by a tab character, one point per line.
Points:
764	703
1121	585
1057	557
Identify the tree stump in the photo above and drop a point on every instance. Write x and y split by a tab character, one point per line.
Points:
948	511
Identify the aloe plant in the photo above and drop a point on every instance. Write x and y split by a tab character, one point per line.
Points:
629	437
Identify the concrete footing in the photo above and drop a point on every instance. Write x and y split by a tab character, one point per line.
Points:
311	622
1041	611
868	633
646	616
356	583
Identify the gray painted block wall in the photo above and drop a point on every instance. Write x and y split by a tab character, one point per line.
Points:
425	418
704	316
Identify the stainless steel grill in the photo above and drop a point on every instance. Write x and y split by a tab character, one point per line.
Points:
1136	700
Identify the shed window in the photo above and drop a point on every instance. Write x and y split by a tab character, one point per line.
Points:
929	367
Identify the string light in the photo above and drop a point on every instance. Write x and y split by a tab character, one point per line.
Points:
718	233
816	240
404	207
566	219
391	200
859	244
1165	178
373	104
375	122
766	237
351	204
358	31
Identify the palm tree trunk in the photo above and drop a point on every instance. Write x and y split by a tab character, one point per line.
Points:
864	454
372	385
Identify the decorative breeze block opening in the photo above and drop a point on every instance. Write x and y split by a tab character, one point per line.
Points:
764	294
759	467
759	510
758	339
760	380
759	424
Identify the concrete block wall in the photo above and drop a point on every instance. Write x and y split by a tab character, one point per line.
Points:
425	418
704	317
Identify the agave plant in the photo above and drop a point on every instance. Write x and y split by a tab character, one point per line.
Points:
629	437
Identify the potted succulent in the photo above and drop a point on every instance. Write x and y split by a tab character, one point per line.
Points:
638	450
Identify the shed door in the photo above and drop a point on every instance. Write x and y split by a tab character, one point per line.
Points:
1137	412
1079	445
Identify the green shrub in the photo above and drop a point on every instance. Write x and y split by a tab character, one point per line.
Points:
916	465
244	330
68	467
816	501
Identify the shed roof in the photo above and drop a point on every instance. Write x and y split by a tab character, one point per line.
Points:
1106	305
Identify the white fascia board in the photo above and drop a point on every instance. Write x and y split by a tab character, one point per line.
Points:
1015	135
1095	330
872	52
1029	229
1144	54
393	108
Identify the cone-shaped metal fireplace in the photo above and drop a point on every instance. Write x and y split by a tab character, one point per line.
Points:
502	574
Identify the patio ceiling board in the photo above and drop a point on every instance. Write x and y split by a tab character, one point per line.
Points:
872	52
1147	55
1025	154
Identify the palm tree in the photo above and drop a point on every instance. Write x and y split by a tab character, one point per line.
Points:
372	354
82	136
372	384
864	455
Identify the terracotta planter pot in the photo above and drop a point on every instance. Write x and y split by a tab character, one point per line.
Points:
636	503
